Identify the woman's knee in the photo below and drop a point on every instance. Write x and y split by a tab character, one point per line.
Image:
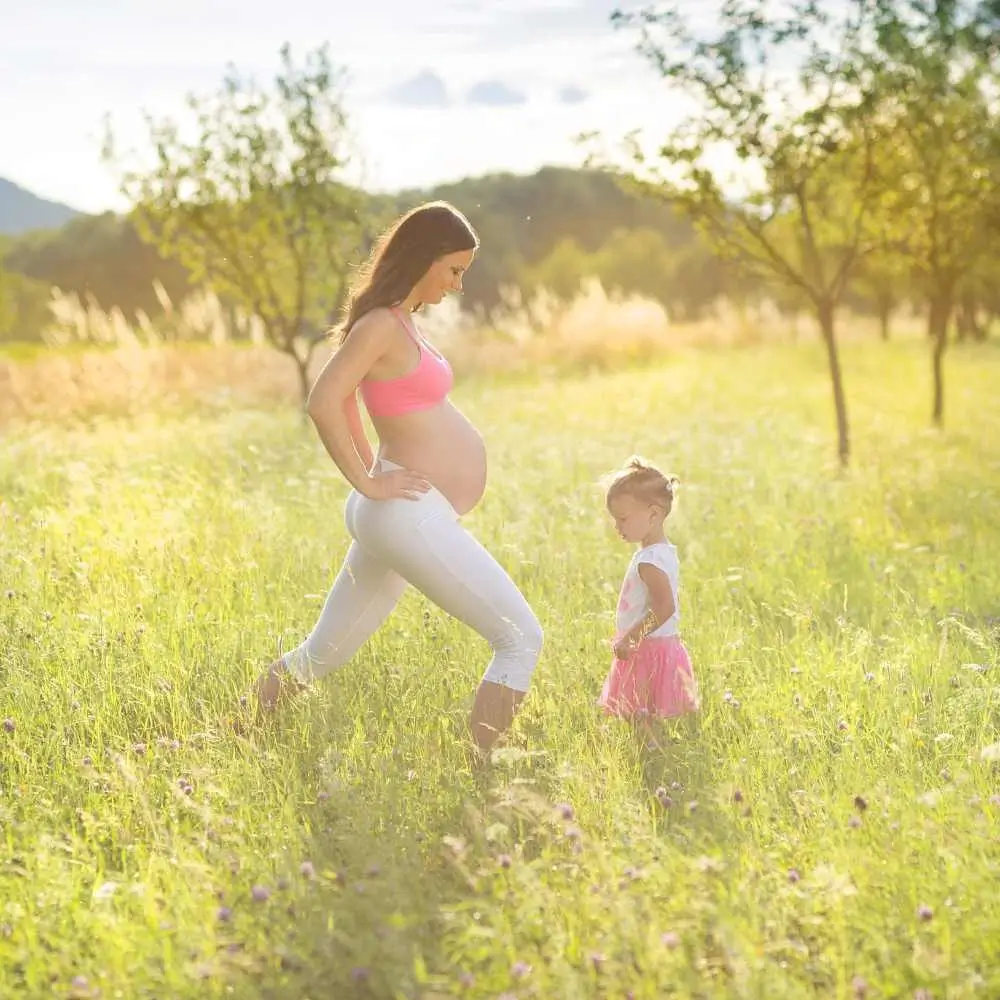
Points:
534	636
516	652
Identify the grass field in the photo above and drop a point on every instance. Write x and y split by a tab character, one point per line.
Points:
831	827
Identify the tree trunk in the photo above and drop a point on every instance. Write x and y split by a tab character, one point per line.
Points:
965	319
982	331
302	368
937	330
302	357
884	315
825	315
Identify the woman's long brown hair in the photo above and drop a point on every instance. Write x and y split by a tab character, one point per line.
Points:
402	256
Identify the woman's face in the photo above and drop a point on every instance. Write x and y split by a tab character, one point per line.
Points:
444	276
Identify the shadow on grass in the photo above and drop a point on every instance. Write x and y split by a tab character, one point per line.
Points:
377	867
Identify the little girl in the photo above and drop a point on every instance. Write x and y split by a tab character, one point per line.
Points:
651	672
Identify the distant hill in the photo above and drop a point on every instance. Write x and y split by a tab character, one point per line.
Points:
22	212
521	219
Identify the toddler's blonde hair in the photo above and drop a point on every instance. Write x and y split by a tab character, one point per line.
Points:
645	482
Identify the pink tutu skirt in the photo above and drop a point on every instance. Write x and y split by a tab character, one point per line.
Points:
656	680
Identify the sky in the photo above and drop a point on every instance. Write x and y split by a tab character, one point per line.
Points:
436	89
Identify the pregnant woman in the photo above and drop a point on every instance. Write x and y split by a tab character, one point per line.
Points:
404	511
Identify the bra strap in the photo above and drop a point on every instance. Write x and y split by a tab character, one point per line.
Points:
398	313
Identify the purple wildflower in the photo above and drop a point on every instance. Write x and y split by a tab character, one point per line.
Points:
925	913
663	798
260	893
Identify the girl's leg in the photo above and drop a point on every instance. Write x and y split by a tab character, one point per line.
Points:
427	546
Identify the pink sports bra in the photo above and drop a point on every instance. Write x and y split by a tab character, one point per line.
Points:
423	387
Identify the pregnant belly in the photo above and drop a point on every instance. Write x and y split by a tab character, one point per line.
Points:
442	445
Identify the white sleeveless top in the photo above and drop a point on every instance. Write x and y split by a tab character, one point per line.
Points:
633	598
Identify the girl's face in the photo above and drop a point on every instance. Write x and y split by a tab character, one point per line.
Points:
444	276
633	518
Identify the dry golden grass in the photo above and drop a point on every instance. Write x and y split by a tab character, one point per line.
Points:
199	352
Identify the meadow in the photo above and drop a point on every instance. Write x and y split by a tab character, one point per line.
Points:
830	826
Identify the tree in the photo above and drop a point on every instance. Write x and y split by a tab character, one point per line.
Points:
933	69
637	262
785	96
978	295
24	306
882	279
103	258
562	272
253	205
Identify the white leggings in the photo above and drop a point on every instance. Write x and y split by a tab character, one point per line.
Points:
419	542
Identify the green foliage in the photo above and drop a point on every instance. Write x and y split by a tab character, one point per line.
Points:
685	280
805	135
805	129
943	157
24	307
562	271
522	219
253	204
103	258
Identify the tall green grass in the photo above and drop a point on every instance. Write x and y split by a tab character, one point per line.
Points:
829	827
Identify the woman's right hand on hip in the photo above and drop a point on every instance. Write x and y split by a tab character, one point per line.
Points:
396	484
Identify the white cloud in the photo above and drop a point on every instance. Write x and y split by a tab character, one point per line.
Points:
495	94
425	90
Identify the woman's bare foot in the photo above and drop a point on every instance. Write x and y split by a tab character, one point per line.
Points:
275	684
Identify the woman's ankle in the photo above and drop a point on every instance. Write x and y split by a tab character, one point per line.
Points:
273	685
